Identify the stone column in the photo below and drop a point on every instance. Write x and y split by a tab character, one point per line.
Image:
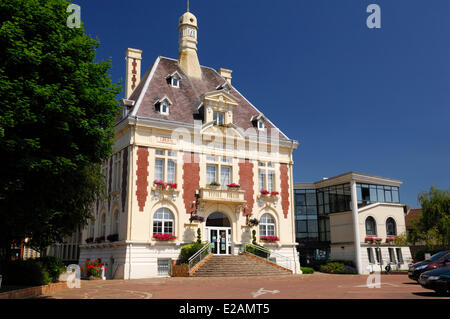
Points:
357	241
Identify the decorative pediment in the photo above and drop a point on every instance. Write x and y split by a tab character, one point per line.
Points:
229	131
220	97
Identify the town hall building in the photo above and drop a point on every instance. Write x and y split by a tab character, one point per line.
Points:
190	153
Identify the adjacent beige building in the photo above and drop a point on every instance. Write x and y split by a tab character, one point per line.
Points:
353	216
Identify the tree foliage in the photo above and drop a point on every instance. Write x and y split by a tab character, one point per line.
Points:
433	227
56	122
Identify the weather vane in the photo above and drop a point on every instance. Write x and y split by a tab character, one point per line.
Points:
187	5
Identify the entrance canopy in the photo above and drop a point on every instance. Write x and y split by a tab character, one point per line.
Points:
218	220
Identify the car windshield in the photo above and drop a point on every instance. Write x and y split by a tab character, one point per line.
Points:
437	256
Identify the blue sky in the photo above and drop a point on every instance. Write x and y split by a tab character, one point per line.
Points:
370	100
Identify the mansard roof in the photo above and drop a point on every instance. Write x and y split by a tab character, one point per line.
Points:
187	98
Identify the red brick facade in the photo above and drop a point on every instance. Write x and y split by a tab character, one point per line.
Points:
284	175
142	177
246	183
191	179
124	189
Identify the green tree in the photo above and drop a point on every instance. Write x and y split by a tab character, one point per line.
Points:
56	122
434	224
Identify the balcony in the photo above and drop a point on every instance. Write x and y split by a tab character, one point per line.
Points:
217	195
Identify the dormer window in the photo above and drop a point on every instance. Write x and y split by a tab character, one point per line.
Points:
174	79
164	108
258	122
261	125
163	105
219	118
175	82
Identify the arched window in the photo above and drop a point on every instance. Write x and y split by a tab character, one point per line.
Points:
371	227
391	227
115	225
163	222
267	225
102	230
91	228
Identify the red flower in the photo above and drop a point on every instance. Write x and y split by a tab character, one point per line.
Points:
264	192
269	238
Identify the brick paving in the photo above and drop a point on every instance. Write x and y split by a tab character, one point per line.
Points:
315	286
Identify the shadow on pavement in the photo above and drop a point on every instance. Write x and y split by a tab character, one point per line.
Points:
430	294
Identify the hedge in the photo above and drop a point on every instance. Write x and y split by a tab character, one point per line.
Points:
32	272
337	268
189	250
307	270
263	252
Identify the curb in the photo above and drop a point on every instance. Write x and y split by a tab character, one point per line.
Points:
33	291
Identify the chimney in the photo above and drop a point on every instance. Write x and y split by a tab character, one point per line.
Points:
225	73
133	76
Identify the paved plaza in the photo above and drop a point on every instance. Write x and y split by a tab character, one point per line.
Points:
315	286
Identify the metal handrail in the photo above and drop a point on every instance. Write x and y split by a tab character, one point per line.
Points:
199	255
285	262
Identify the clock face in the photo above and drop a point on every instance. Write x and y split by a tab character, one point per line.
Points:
191	32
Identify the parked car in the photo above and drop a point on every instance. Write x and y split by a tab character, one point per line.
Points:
437	280
439	260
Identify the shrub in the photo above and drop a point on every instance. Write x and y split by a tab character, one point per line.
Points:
335	267
345	262
53	265
30	272
189	250
307	270
263	252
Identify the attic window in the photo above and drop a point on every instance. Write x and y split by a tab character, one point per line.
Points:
163	105
164	108
261	125
175	82
174	79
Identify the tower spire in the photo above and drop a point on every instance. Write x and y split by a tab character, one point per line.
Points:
187	41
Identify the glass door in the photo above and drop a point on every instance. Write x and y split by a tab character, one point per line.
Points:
220	238
223	241
213	239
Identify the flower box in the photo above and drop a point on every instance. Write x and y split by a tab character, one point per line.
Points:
274	193
372	240
164	237
233	185
196	218
269	239
391	239
164	185
89	240
213	184
264	192
113	237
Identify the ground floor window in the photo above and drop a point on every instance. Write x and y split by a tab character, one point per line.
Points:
399	255
392	255
370	255
163	221
378	255
164	267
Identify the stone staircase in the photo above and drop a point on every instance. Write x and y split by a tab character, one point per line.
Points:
236	266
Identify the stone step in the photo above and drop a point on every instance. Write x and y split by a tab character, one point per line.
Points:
235	266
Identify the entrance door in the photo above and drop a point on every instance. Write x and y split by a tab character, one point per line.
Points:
218	228
220	238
